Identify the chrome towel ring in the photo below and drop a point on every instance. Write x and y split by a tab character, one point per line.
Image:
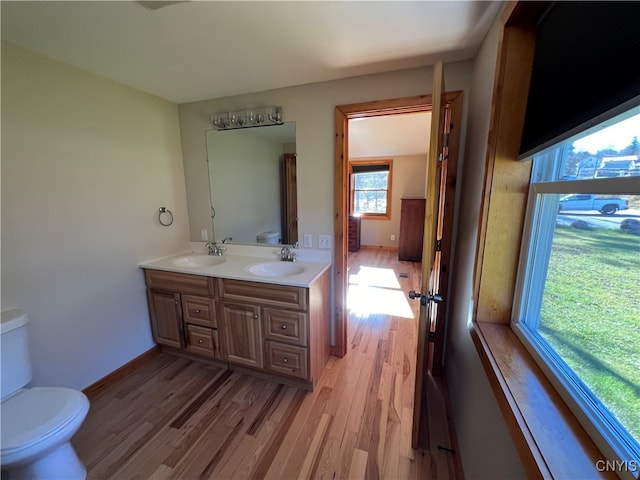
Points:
167	219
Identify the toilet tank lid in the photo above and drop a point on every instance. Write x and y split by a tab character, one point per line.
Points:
12	319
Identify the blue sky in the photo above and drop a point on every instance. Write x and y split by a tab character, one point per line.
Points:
617	136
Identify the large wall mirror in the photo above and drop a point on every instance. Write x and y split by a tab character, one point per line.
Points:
252	179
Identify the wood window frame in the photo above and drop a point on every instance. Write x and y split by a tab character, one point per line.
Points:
535	414
366	215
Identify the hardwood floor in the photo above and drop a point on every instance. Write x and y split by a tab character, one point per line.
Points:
178	418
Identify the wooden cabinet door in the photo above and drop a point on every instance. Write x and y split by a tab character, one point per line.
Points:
242	334
166	318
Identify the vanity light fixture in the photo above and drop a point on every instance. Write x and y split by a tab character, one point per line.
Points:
253	117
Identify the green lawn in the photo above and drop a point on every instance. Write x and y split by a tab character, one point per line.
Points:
591	314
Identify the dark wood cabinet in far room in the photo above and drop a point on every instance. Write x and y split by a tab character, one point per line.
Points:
411	229
354	233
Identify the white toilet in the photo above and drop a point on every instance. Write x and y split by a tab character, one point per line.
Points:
37	423
268	237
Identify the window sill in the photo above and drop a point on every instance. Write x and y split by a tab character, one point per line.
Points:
551	442
373	216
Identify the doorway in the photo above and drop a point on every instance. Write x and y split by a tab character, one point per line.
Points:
453	102
343	114
387	156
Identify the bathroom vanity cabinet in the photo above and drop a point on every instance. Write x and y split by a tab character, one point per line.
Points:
273	330
280	319
183	312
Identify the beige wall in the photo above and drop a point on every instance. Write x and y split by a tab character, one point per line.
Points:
86	163
486	448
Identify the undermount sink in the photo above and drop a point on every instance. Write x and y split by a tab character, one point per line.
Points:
276	269
197	261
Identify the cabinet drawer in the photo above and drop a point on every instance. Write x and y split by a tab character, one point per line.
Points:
199	311
285	326
203	341
264	293
180	282
286	359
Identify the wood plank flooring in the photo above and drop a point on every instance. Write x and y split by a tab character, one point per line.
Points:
178	418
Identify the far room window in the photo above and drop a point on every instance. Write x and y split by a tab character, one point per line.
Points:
578	309
371	188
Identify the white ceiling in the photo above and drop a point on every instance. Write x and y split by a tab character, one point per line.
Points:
199	50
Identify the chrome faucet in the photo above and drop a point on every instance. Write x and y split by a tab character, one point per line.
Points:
226	239
214	249
287	255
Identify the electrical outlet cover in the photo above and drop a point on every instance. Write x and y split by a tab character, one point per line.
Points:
324	241
307	241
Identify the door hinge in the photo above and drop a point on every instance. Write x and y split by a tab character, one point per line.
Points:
445	142
438	245
432	336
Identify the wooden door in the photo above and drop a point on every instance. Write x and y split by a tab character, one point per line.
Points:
242	334
290	201
166	318
430	299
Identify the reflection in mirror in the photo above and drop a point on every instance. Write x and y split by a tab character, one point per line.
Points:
252	178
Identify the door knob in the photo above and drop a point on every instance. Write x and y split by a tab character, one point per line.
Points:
435	298
424	299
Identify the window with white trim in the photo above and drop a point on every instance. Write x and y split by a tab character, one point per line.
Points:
577	307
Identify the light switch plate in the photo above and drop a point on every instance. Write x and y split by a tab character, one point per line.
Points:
324	241
307	240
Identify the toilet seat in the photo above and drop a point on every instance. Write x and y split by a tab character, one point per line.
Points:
34	419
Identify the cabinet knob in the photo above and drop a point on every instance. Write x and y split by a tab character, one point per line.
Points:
197	310
255	316
200	341
285	360
284	327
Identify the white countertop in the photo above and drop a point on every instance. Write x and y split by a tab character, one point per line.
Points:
239	258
